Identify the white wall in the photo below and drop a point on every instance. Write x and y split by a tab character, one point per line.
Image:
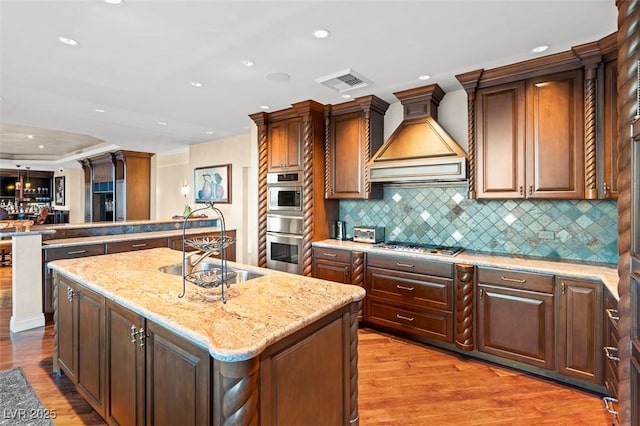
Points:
171	172
74	194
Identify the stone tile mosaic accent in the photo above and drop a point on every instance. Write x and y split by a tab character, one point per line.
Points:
572	230
120	228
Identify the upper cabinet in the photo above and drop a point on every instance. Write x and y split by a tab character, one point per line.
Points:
542	128
355	132
285	140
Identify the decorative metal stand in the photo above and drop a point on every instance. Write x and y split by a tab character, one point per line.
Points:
206	247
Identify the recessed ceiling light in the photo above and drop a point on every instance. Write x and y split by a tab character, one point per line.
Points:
209	132
247	63
162	123
321	33
346	96
114	1
100	110
264	106
245	126
68	41
41	146
196	84
29	136
424	77
278	76
540	49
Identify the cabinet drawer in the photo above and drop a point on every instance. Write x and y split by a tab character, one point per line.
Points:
522	280
410	264
332	254
417	289
429	323
73	252
122	246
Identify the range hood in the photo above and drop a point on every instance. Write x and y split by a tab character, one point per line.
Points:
419	149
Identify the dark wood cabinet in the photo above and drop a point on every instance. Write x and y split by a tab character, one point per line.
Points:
49	255
155	377
580	330
133	245
608	186
80	340
530	138
117	186
516	316
413	296
341	266
355	134
285	140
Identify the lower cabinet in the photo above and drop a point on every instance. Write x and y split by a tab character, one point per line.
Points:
580	330
166	376
413	296
515	316
80	336
341	266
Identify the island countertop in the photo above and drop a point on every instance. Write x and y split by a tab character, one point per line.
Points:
257	313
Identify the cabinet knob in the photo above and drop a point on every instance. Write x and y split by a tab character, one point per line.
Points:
563	287
530	189
520	190
142	337
481	293
605	188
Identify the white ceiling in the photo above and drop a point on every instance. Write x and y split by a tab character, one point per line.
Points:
137	60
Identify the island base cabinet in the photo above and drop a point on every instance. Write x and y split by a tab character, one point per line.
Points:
79	341
166	376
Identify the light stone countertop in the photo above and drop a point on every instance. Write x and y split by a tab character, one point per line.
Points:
258	312
608	275
70	242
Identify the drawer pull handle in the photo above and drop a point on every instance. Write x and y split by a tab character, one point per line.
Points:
611	353
613	314
406	265
139	245
70	294
133	334
330	254
402	287
513	280
76	252
400	317
607	400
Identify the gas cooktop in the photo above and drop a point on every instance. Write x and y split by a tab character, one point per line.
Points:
419	248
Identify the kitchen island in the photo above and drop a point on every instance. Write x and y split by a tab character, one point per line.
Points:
281	350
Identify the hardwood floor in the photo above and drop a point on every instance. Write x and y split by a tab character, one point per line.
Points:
400	383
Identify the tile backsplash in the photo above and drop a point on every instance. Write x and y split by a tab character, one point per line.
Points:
566	229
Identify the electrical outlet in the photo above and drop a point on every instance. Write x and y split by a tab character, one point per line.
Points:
546	235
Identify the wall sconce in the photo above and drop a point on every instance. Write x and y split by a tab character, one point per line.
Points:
185	192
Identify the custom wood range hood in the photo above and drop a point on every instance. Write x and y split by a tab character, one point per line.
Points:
419	149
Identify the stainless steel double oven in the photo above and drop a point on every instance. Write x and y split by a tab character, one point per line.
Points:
285	207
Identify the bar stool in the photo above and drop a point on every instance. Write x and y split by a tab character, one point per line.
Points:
5	252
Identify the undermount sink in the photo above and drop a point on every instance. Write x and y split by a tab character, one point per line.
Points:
212	269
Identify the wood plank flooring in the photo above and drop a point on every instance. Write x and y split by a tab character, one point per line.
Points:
400	383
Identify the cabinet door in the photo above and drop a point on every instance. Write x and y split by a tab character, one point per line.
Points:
125	370
91	374
555	136
346	162
284	146
178	383
332	271
580	336
66	342
516	324
500	171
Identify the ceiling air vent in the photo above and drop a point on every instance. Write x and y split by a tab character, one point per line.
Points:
343	81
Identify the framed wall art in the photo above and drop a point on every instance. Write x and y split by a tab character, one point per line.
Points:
59	190
213	183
